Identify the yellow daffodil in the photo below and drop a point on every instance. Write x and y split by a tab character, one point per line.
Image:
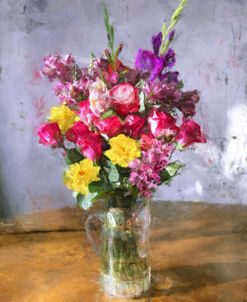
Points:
80	175
63	116
123	150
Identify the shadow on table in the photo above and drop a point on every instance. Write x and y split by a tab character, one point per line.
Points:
184	279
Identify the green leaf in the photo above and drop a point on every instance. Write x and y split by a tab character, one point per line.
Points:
107	114
100	187
171	171
163	29
176	16
180	84
73	156
174	167
86	201
109	30
113	175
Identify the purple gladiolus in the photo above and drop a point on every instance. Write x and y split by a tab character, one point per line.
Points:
156	41
157	69
169	58
145	60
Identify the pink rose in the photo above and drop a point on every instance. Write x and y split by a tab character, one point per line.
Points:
91	146
110	126
133	125
146	141
77	132
86	113
50	134
162	124
98	97
125	98
189	133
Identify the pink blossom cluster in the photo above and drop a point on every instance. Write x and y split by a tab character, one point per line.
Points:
55	67
145	172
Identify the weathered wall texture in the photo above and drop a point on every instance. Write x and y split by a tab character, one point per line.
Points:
211	56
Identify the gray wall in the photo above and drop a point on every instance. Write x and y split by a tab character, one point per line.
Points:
211	56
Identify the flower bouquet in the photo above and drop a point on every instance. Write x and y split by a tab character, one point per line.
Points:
118	128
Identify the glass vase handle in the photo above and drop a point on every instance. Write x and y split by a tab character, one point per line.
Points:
93	228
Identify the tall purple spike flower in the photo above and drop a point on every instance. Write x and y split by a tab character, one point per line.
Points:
169	58
147	61
156	41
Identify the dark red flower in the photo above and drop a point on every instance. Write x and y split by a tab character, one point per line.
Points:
189	133
133	125
77	132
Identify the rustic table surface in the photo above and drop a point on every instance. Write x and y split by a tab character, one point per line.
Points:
198	253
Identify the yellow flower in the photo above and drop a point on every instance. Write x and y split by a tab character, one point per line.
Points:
123	150
80	175
63	116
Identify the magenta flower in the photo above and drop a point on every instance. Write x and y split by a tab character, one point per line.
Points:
50	135
85	113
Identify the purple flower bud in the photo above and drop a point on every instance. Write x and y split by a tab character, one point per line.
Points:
156	41
171	35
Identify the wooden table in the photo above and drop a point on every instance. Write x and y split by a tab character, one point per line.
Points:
198	252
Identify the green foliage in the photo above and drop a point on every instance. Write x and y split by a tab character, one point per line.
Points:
107	114
142	101
86	201
73	156
109	30
171	170
176	16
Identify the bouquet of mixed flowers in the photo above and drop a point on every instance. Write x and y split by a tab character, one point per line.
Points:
119	126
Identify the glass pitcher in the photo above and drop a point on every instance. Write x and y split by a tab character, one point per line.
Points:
120	235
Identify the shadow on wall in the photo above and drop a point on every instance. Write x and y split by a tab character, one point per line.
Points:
5	211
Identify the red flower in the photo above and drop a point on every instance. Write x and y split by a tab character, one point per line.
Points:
146	141
89	142
77	132
50	134
91	146
162	124
189	133
111	126
125	98
133	125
